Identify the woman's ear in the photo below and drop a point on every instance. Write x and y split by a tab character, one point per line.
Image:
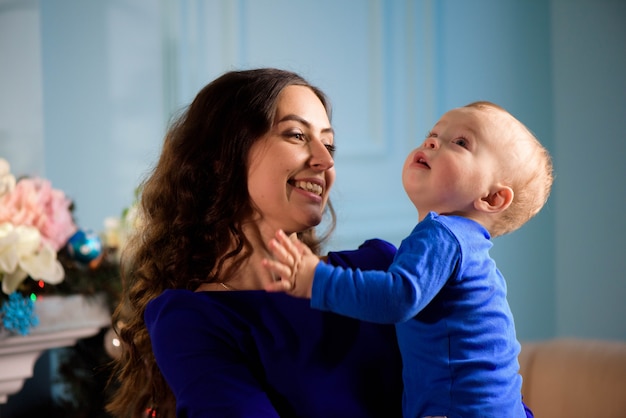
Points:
496	201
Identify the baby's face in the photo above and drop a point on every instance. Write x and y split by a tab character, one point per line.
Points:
464	156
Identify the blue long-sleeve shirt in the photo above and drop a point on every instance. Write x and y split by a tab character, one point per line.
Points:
255	354
454	325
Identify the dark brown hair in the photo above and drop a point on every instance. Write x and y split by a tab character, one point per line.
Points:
191	209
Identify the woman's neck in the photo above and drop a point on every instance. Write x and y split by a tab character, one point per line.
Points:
248	274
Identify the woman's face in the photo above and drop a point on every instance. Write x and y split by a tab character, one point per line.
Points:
291	168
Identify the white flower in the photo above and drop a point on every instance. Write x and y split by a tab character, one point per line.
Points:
118	230
7	180
111	233
23	253
8	248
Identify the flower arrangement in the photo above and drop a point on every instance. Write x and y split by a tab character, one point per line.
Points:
43	251
35	222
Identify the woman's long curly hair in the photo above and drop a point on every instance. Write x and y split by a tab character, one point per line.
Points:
192	207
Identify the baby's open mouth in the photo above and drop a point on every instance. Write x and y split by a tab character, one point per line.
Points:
422	161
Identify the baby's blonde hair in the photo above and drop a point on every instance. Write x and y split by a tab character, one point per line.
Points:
531	179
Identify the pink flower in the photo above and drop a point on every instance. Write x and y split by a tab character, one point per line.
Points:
33	202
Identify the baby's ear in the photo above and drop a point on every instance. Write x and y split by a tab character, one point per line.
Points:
496	201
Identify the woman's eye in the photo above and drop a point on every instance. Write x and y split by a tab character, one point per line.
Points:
331	149
298	136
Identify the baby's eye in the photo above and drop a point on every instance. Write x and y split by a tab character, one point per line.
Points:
462	142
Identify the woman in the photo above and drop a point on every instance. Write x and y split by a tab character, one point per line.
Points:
252	154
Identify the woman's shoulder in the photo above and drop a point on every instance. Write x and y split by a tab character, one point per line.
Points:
182	300
171	303
223	309
258	310
184	297
176	313
174	298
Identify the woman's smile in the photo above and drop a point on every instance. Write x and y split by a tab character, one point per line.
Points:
313	186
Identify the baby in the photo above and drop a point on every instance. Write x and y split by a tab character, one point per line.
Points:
479	174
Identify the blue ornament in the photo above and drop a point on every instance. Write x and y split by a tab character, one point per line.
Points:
84	246
18	314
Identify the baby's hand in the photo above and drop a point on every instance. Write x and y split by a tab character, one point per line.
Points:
294	263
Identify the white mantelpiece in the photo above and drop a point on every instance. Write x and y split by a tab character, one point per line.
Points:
63	320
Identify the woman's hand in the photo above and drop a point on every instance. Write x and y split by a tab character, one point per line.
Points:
294	263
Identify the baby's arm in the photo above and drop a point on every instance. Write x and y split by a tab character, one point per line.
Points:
294	263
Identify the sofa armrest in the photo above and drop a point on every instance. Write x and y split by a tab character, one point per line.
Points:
574	378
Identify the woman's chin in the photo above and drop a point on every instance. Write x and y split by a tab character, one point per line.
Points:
309	221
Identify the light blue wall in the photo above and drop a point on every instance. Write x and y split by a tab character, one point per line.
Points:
589	85
111	73
102	67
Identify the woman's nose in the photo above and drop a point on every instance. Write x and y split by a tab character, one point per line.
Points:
321	158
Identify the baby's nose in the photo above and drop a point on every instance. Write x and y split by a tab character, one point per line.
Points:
430	143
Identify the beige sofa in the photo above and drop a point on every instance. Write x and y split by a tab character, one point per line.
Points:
573	378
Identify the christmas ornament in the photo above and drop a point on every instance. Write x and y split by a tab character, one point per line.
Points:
85	246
